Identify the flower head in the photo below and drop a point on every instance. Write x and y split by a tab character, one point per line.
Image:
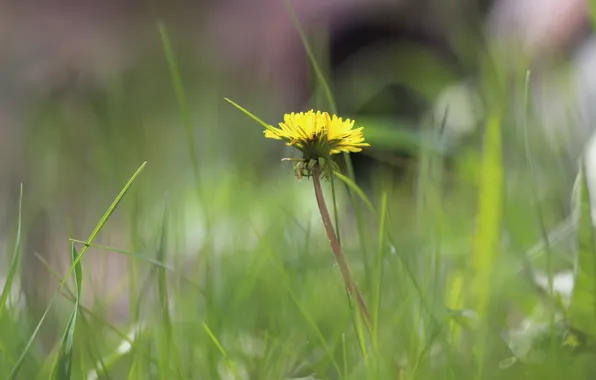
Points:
318	134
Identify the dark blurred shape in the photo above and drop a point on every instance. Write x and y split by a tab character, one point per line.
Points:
386	34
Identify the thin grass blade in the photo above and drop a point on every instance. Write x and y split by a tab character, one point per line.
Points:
249	114
63	367
102	222
379	271
486	240
14	261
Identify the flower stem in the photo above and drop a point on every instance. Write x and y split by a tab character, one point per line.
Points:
339	256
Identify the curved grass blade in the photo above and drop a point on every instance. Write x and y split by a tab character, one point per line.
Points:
358	191
183	107
313	61
63	367
223	352
15	370
14	261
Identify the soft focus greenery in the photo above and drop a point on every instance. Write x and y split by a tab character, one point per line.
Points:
229	271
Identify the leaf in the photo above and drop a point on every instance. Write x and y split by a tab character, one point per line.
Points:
63	367
582	309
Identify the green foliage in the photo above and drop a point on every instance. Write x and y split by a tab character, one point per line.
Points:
231	276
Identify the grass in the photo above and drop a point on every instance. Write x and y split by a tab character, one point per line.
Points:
232	277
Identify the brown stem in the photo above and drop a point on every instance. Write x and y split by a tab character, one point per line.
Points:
339	256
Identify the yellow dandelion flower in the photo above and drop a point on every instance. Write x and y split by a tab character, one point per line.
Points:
317	134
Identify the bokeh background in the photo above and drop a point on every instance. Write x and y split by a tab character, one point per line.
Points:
87	95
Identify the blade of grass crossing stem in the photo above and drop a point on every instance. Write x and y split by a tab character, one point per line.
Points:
138	256
488	222
101	367
92	237
582	309
379	272
63	368
14	261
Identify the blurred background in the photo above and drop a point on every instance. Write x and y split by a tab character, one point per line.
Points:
86	96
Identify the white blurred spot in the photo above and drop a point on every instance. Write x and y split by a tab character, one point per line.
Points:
562	284
122	349
460	108
232	371
13	300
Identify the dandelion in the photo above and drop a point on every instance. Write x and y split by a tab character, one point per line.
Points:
318	136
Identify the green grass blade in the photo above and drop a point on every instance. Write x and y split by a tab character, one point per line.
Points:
488	218
330	99
102	222
357	190
592	9
379	271
63	367
167	348
221	349
582	309
183	107
14	261
487	237
107	214
249	114
139	256
312	59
